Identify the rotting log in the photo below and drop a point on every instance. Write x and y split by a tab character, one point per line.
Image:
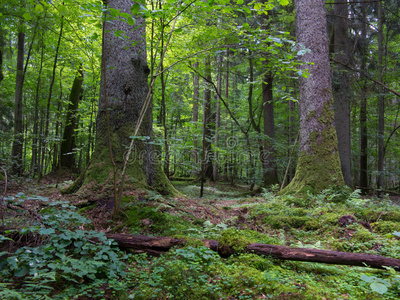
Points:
324	256
145	244
159	245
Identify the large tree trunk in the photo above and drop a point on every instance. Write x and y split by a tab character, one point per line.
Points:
68	143
217	118
206	160
195	117
381	102
363	107
341	89
18	118
319	165
160	245
268	157
42	165
123	91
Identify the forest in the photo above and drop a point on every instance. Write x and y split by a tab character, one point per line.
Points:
199	149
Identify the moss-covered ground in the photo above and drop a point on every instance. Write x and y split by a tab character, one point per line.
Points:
228	214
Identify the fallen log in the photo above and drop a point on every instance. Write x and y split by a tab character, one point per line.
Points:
159	245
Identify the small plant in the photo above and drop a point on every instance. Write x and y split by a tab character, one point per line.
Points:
67	260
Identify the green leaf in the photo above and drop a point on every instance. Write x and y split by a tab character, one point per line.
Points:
38	8
21	272
379	288
239	2
27	16
367	278
131	21
284	2
135	8
63	10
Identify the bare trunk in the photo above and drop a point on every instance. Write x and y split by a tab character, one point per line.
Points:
1	54
68	144
268	157
217	117
18	121
206	161
381	102
195	117
363	109
341	89
46	130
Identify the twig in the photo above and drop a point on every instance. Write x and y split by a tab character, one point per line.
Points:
367	76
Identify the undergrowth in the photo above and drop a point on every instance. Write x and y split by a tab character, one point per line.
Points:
67	261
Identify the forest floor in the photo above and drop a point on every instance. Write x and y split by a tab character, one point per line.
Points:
228	213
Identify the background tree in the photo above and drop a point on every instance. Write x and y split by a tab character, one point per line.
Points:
68	144
341	87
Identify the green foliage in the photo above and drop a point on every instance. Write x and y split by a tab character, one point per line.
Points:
68	261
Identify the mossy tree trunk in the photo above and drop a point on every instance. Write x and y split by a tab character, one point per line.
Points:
123	91
319	165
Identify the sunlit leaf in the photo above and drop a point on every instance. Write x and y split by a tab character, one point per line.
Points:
135	8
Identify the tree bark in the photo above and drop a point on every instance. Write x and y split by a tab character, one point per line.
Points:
42	165
18	117
123	91
195	115
341	88
159	245
1	54
68	144
206	161
217	117
363	107
319	165
381	102
268	158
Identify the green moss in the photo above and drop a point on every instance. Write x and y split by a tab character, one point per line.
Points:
281	221
391	216
330	219
319	168
386	226
312	224
235	239
363	235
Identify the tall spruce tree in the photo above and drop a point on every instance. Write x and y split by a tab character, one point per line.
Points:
319	165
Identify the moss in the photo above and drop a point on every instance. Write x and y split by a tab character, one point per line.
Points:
386	226
280	221
235	239
391	216
319	168
330	219
312	224
363	235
